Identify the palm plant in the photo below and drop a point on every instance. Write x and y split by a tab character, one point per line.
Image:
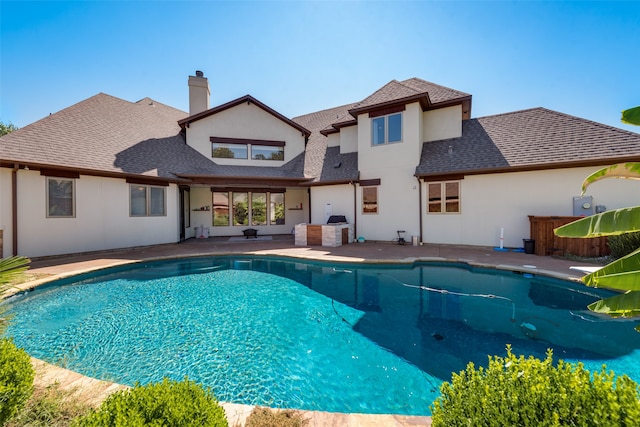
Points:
622	274
10	269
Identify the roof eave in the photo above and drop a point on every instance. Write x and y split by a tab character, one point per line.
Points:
34	166
531	167
425	103
245	180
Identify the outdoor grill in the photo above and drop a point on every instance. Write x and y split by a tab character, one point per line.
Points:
337	219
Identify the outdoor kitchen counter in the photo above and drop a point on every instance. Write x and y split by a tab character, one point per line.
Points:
330	235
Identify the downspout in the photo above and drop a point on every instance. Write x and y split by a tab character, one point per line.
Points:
14	207
309	199
355	207
420	208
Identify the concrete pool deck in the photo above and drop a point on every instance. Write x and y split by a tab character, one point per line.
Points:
94	391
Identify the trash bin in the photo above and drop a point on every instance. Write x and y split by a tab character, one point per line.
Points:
529	246
414	240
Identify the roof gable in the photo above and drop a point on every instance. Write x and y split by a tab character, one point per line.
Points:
245	99
410	90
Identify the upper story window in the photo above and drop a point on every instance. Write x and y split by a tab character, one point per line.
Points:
264	152
386	129
238	148
229	151
443	197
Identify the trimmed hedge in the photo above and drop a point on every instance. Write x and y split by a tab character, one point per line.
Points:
514	391
168	403
16	379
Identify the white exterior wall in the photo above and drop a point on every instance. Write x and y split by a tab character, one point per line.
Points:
394	164
101	222
293	214
443	123
5	212
492	202
340	199
246	122
333	140
349	139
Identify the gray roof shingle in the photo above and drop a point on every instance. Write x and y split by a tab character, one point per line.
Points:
105	134
317	144
413	88
528	139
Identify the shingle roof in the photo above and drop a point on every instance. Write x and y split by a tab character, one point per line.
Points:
317	144
410	89
292	170
535	138
104	134
339	167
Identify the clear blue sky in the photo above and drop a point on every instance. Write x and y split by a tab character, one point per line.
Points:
580	58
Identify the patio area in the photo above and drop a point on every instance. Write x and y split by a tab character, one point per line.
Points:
95	391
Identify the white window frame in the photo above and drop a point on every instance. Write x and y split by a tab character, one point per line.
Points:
385	120
73	197
148	204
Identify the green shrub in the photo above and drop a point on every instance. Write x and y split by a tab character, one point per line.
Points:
16	379
514	391
265	417
168	403
623	244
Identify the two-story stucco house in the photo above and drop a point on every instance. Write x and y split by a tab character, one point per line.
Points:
107	173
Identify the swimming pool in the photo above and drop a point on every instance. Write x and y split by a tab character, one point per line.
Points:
368	338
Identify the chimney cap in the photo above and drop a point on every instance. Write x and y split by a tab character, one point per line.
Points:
199	73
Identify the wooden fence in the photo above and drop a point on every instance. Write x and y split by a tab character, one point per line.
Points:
547	243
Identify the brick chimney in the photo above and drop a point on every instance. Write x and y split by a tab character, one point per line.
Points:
198	93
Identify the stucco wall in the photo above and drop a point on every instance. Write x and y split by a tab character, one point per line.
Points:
5	212
293	199
395	155
394	164
333	140
349	139
492	202
245	121
340	197
102	218
443	123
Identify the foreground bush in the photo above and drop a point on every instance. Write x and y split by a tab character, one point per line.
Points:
265	417
16	379
514	391
169	403
50	406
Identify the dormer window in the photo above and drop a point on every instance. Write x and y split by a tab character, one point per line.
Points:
386	129
236	148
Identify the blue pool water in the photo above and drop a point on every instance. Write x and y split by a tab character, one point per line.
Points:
311	335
